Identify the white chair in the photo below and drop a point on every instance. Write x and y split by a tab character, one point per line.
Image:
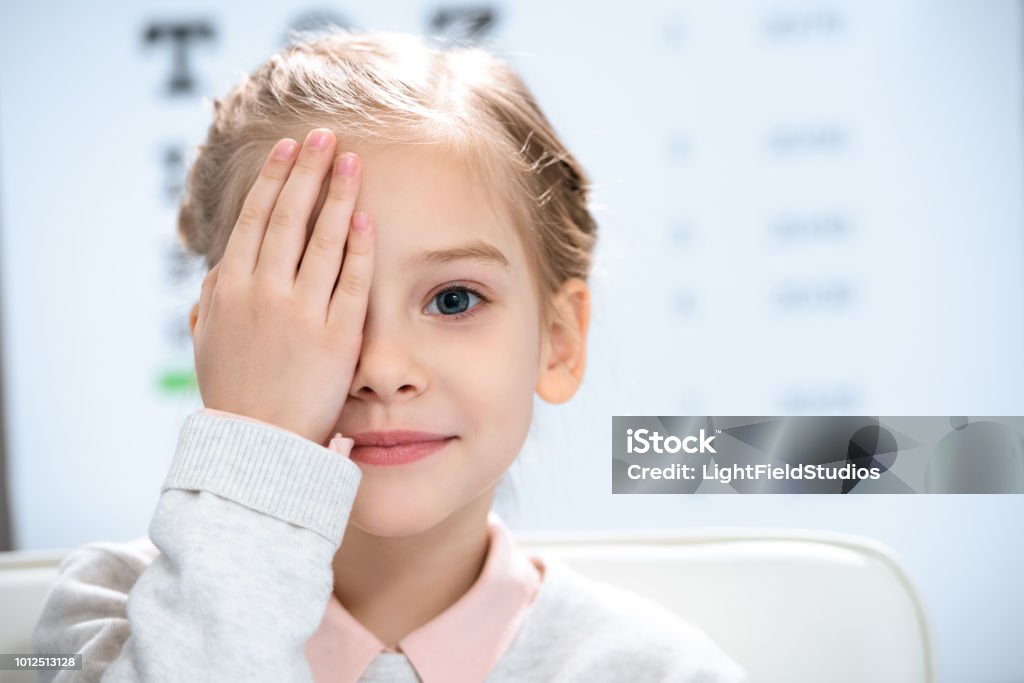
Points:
789	605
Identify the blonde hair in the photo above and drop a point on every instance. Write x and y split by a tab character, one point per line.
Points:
386	87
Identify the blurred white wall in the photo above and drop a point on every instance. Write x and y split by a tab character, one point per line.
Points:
807	208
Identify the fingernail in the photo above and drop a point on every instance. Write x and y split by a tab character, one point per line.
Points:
341	443
317	139
346	165
362	222
284	149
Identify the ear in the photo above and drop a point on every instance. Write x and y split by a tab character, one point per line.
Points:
193	318
564	343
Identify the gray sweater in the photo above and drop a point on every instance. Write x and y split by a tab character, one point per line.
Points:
175	607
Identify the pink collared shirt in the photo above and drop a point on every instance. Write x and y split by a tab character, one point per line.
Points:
463	643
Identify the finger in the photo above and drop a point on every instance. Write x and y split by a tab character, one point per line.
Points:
206	293
348	304
286	230
321	262
243	247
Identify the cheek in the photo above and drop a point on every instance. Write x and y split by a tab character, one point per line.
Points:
495	357
493	372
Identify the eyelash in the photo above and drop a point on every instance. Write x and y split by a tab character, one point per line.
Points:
484	300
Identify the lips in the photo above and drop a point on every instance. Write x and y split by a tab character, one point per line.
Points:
395	447
395	438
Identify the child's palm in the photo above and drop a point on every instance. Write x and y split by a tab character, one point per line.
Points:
275	339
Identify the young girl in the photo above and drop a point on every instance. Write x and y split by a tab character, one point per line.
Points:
404	279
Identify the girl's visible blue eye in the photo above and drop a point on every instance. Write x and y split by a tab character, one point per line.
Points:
454	302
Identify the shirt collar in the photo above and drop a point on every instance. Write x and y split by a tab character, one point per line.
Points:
463	643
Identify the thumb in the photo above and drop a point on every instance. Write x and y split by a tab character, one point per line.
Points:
206	294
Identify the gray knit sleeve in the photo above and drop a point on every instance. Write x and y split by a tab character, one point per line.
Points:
248	521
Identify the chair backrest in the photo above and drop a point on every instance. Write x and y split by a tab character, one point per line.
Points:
790	605
25	578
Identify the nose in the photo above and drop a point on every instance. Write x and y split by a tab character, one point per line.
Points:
387	369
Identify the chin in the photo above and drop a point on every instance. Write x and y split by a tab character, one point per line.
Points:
394	516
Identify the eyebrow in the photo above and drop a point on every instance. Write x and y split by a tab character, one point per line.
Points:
473	251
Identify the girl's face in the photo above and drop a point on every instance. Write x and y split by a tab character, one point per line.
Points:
463	364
